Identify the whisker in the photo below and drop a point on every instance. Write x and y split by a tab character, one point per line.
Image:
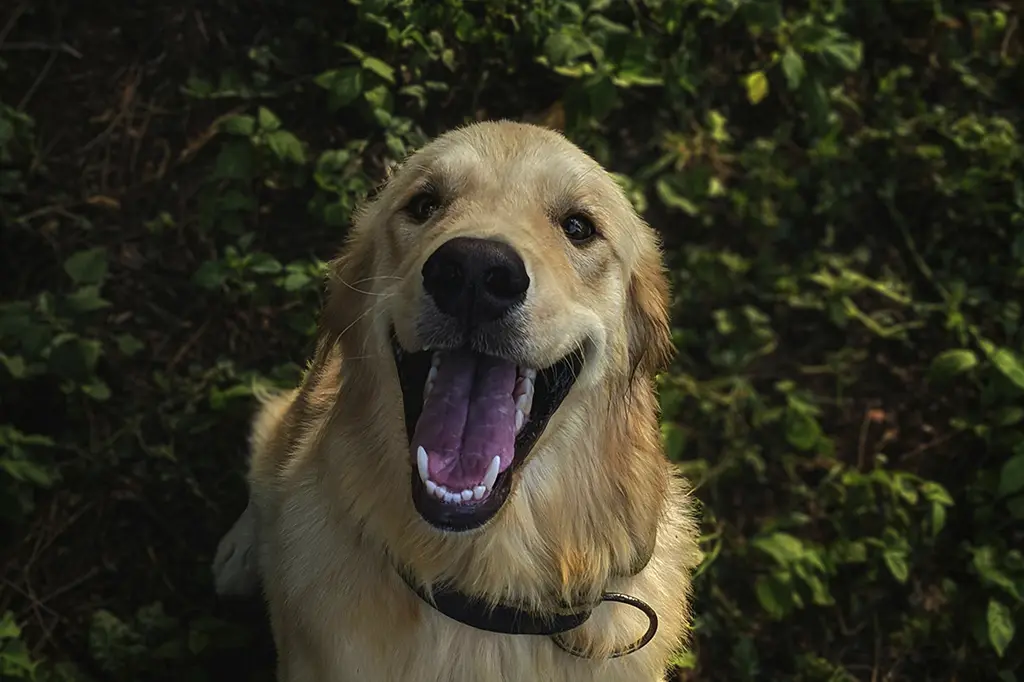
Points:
363	314
381	310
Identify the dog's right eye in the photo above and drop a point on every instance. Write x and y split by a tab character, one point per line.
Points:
422	206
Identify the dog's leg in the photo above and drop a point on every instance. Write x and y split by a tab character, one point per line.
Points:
236	564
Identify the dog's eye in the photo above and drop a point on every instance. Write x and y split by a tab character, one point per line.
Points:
578	228
422	206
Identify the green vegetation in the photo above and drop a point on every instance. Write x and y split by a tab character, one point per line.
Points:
841	190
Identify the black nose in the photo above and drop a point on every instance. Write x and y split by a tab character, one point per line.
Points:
475	280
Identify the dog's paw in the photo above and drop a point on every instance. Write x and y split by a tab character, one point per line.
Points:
235	566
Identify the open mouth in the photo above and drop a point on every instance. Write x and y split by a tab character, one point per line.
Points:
472	420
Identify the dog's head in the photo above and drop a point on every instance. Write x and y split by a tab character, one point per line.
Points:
510	281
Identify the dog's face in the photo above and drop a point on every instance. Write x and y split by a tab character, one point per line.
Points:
509	277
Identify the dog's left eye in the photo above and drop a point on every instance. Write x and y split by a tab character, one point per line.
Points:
422	206
578	228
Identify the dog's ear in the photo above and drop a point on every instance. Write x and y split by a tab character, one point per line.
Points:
650	338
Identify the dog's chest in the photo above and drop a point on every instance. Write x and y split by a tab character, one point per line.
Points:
361	623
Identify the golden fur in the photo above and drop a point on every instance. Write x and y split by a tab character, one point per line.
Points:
594	502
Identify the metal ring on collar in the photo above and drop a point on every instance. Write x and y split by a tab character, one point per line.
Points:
652	628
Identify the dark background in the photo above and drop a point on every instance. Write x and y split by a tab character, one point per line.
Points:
841	191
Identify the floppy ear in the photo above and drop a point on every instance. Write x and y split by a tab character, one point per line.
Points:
647	318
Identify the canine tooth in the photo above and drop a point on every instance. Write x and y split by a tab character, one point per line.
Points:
520	420
492	473
530	374
525	403
421	464
478	492
467	495
431	487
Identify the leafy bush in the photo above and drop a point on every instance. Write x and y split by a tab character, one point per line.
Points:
841	191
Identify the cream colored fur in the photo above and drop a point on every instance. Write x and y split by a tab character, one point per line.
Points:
329	478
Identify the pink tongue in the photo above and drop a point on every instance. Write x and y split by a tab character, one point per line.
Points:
468	418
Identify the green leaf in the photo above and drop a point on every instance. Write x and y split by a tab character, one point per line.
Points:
846	54
88	266
950	363
97	390
937	493
210	275
757	86
802	430
672	198
938	519
1007	362
987	565
73	357
286	146
1000	626
374	65
14	364
793	68
9	627
343	86
782	547
896	561
87	299
268	120
25	471
565	46
265	264
239	125
236	161
128	344
774	596
1011	476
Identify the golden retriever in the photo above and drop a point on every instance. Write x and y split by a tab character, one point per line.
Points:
474	451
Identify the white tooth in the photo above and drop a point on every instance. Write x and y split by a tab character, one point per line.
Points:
492	473
452	498
523	404
431	487
440	492
530	374
467	495
478	492
435	361
432	374
520	420
421	464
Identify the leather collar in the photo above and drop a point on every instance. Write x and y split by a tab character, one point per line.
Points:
500	618
512	620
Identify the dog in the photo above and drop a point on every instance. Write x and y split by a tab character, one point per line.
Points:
469	483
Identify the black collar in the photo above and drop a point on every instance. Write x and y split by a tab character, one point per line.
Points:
501	618
512	620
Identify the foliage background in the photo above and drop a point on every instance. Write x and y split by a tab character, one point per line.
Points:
841	190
